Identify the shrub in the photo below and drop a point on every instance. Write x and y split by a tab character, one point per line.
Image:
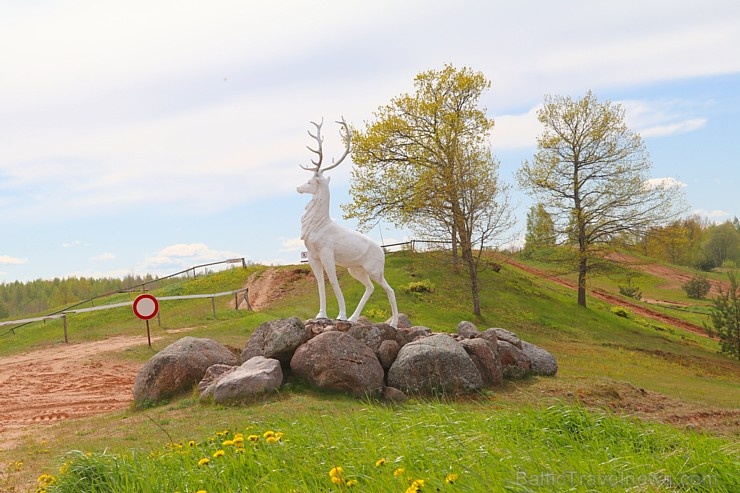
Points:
423	286
725	317
621	312
697	287
630	290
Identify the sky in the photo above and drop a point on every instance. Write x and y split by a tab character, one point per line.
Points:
149	136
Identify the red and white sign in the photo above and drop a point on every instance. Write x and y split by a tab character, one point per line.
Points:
146	306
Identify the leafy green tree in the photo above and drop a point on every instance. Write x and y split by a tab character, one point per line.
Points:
592	174
722	243
540	233
725	317
425	162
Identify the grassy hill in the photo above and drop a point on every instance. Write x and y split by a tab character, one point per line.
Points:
631	366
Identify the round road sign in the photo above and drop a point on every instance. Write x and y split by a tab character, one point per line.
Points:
145	306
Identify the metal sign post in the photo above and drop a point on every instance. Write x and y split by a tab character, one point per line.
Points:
146	307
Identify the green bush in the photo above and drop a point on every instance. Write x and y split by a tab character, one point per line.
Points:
697	287
621	312
423	286
631	291
725	317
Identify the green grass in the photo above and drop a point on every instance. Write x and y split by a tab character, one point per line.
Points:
442	446
510	439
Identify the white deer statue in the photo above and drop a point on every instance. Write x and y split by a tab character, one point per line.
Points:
330	244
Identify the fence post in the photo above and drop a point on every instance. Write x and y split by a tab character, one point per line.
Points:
64	319
213	305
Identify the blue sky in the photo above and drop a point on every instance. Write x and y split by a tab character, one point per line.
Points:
149	136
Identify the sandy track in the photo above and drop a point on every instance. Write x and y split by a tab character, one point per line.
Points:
66	381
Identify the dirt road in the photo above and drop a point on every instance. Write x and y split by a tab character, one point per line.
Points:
62	382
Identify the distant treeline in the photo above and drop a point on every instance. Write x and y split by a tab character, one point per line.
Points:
691	242
694	242
21	298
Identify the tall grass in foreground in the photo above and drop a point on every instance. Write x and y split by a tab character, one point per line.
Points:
417	448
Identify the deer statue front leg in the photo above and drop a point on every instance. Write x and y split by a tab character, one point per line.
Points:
331	273
318	272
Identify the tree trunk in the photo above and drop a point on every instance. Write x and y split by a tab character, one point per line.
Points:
473	272
582	270
455	257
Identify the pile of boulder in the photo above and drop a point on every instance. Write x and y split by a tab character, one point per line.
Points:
363	359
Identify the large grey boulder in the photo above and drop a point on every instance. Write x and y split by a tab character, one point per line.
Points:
368	335
508	336
178	367
277	339
543	362
257	376
486	361
489	335
515	363
387	353
467	330
337	361
434	365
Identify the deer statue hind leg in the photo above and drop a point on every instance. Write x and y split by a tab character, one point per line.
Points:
361	275
391	298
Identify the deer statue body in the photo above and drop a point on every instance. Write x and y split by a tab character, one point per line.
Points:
330	244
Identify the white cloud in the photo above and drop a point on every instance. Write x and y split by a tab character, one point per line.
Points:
181	256
104	256
76	243
6	259
292	245
681	127
661	118
667	182
516	131
714	214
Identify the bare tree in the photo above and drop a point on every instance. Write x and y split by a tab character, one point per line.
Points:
592	174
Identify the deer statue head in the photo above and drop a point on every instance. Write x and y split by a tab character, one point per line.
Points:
318	179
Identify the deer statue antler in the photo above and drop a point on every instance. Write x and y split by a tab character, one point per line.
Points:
343	132
320	151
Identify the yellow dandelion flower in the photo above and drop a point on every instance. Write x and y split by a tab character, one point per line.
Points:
238	438
451	478
218	453
268	434
253	438
279	435
227	443
380	462
204	461
336	471
191	443
46	480
201	491
352	482
399	472
337	480
418	483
